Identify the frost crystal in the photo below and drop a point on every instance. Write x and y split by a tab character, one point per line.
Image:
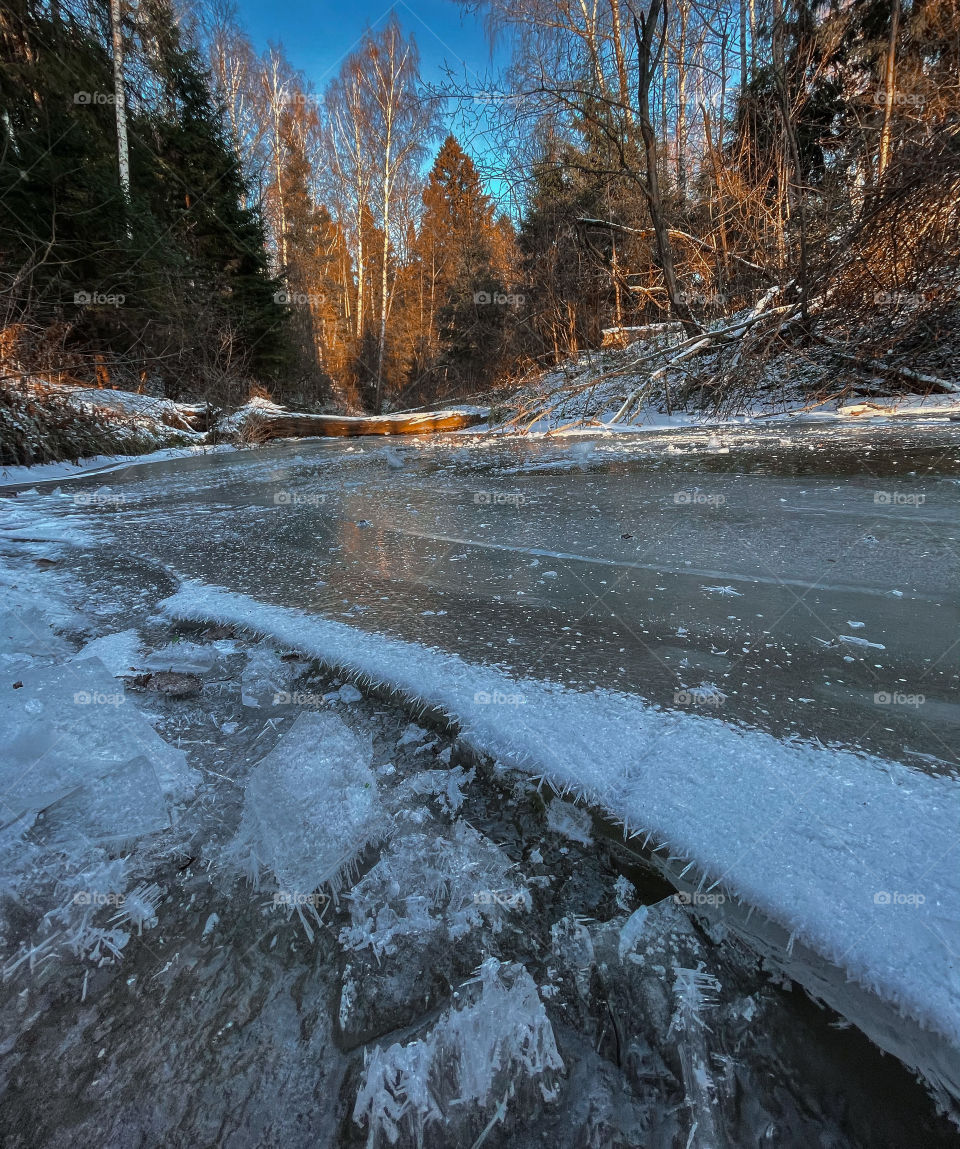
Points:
569	820
426	884
474	1053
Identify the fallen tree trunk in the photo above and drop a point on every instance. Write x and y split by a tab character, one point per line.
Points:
931	382
293	425
624	336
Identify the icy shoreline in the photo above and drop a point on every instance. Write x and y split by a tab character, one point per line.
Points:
849	855
99	465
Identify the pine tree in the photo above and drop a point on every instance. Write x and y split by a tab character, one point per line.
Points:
184	298
462	275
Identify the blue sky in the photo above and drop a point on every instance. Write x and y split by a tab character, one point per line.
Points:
317	34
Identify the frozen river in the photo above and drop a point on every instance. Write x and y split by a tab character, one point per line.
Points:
805	582
742	644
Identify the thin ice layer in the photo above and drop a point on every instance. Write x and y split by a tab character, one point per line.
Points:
117	807
67	726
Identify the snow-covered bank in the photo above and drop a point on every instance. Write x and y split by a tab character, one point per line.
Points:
43	422
617	391
854	857
99	464
796	410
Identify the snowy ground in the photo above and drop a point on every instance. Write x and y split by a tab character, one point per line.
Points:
571	417
433	863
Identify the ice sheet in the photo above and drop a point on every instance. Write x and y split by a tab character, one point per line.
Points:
68	725
854	855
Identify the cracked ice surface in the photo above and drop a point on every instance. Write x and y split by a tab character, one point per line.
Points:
809	835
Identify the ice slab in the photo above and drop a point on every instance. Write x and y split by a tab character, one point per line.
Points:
120	806
310	807
119	652
26	636
67	726
183	657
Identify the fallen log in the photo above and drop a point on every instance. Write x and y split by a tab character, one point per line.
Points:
284	425
931	382
624	336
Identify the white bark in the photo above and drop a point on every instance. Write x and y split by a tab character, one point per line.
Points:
120	107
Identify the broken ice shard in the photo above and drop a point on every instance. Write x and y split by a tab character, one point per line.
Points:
266	679
67	726
184	657
119	652
310	808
